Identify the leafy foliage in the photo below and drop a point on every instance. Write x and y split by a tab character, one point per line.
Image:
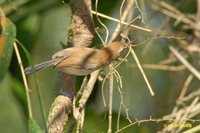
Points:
7	37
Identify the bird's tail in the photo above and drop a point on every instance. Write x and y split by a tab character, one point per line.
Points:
30	70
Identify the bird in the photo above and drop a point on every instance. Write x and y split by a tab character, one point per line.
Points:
80	61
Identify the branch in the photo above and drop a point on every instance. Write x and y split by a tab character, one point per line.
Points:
81	33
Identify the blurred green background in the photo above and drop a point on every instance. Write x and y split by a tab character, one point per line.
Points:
43	24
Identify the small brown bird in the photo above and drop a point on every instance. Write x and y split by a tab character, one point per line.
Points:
82	61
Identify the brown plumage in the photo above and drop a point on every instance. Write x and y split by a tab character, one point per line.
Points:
82	61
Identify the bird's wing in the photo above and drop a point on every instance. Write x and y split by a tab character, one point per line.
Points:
87	58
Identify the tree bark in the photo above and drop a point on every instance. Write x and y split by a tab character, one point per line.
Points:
81	33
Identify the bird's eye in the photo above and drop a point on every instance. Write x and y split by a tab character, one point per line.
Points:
123	52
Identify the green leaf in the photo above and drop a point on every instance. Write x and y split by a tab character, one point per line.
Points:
7	37
34	127
12	116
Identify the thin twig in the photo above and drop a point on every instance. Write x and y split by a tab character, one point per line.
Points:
182	115
138	122
161	67
142	71
185	86
79	111
24	80
111	80
182	92
176	14
194	71
187	112
107	31
142	15
119	25
190	96
88	90
181	111
115	34
193	130
122	22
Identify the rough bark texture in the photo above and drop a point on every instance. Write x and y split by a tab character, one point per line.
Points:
81	33
58	116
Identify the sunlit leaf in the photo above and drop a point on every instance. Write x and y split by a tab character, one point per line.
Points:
7	36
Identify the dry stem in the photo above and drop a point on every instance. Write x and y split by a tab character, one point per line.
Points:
194	71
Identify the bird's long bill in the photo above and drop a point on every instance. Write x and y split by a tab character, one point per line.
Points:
30	70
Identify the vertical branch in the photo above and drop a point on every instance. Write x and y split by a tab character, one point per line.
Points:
81	33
